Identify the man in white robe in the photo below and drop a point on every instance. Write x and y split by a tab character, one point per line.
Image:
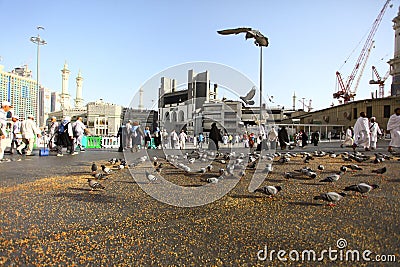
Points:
362	132
394	127
375	132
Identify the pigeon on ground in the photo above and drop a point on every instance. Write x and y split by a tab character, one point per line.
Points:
380	171
321	167
332	178
252	165
150	177
113	161
343	168
159	168
94	167
95	184
362	188
100	176
354	167
269	190
212	180
268	168
331	197
311	174
106	169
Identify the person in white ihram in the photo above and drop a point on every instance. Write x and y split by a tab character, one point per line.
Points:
5	107
174	140
29	130
375	132
362	132
348	140
79	129
272	137
182	139
394	127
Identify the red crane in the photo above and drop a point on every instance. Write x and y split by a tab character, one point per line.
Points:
345	91
379	80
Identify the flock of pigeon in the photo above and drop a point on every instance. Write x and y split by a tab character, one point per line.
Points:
235	165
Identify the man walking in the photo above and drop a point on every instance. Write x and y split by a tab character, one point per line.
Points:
5	108
362	132
79	129
53	127
16	133
375	132
394	127
29	130
182	139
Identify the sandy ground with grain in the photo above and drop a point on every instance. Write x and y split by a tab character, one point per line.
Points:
55	219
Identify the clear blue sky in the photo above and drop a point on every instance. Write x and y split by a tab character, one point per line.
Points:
118	45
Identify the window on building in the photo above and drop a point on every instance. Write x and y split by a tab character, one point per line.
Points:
355	115
369	111
386	111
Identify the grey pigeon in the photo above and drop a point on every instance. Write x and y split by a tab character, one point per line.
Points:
151	177
106	169
100	176
212	180
379	171
362	188
95	184
269	190
332	178
331	197
94	168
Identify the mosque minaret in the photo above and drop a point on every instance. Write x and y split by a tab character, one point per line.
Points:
65	97
78	98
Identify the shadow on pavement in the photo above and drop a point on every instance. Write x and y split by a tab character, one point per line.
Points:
90	196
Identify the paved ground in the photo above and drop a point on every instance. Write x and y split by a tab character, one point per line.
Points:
48	216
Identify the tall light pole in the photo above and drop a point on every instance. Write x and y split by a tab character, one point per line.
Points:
260	40
38	41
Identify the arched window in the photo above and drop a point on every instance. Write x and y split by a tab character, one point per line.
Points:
181	116
173	116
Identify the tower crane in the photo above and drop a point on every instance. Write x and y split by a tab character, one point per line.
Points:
309	108
345	90
380	81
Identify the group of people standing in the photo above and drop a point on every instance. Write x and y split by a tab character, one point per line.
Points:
366	132
24	134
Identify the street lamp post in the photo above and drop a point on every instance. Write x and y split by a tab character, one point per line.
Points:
38	41
260	40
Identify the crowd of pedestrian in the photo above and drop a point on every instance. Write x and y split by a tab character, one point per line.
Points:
69	135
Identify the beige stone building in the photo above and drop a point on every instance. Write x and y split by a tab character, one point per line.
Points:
347	114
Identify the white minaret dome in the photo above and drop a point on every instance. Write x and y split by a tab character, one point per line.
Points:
79	99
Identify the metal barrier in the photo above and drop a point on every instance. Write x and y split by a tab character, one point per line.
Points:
94	142
110	142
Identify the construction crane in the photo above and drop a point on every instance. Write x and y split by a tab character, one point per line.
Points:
380	81
362	69
309	108
345	90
